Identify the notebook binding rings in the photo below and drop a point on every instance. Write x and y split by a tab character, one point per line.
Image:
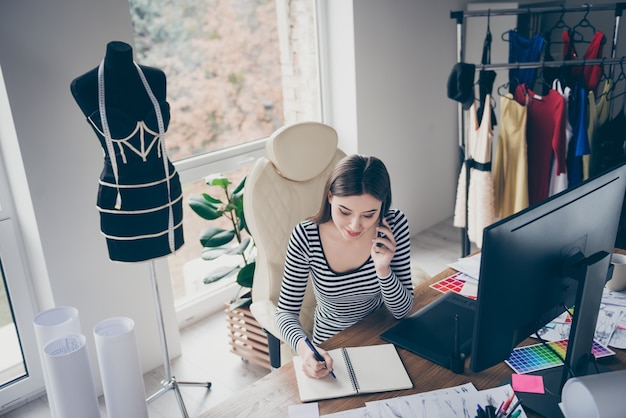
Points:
355	382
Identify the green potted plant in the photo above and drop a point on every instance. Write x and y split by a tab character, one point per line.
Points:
217	241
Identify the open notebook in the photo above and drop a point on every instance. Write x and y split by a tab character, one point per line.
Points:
368	369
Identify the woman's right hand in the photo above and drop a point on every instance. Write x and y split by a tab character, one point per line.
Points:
310	365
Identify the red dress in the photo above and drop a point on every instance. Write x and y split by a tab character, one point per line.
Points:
545	137
591	74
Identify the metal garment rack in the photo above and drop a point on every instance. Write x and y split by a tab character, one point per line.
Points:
169	382
460	17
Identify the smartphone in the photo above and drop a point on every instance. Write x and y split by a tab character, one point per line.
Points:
380	234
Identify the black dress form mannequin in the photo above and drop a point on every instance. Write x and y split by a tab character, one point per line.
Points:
139	194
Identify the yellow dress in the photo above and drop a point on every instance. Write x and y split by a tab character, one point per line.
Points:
510	169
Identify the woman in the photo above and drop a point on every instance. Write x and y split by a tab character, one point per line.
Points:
357	252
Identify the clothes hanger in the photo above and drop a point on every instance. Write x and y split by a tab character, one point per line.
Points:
575	34
560	24
620	77
505	35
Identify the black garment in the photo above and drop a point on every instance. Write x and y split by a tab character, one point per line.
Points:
485	81
139	194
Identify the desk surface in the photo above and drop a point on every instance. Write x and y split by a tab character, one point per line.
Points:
271	395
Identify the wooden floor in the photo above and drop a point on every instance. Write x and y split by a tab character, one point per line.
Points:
206	355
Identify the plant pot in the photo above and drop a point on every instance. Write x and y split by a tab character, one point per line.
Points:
246	337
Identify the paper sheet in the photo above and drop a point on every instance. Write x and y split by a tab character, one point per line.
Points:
120	368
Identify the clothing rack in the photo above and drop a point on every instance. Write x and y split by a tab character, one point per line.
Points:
460	17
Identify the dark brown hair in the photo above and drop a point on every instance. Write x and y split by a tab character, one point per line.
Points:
356	175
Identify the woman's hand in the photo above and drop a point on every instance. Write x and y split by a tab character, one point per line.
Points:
310	365
383	249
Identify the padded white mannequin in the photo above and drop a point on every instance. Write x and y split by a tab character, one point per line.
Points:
282	189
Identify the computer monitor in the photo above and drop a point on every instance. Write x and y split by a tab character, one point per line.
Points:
534	264
541	261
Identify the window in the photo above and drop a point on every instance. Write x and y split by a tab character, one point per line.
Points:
237	70
20	368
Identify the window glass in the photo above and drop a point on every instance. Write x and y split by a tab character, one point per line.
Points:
236	70
12	365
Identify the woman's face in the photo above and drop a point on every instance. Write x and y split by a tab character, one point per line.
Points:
354	216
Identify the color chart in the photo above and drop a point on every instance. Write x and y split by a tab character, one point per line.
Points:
532	358
457	284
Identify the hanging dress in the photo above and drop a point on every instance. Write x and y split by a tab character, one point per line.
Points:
589	74
602	110
558	181
486	79
579	145
510	169
522	49
480	203
139	195
545	138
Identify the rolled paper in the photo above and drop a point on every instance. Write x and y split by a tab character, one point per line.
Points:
50	325
70	375
595	396
120	368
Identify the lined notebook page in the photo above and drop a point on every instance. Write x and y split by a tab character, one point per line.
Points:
376	368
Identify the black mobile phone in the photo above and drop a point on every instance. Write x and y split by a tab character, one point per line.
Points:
380	234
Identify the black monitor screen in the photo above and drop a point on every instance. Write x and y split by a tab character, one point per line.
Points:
541	261
535	264
524	278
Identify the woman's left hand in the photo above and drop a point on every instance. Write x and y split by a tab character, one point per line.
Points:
383	249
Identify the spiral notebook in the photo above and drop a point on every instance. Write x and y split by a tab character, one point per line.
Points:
359	370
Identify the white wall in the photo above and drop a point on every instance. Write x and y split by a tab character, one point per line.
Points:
395	57
45	44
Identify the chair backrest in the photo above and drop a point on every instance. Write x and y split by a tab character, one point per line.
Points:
282	189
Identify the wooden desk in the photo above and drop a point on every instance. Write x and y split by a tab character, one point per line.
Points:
271	395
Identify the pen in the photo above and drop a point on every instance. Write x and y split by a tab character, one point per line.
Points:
516	414
505	406
318	356
512	413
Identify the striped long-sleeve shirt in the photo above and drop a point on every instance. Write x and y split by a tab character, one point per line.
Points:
342	298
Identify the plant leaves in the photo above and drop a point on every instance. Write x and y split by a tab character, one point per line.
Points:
212	236
217	180
219	274
212	199
240	248
240	303
245	277
239	188
209	253
204	208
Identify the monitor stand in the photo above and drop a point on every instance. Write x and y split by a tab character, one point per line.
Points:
579	361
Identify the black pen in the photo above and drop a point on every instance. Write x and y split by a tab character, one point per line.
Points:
318	356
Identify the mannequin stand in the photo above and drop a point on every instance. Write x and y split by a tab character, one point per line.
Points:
170	382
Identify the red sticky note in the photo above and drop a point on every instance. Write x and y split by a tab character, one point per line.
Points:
527	383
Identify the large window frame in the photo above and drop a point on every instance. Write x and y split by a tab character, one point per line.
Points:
193	169
14	268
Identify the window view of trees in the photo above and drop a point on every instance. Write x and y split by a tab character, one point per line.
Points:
236	70
222	62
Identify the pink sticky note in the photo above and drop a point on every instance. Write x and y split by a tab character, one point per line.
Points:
527	383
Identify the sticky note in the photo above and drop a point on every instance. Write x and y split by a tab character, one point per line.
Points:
527	383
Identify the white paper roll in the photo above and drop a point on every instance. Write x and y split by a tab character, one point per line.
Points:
70	375
120	368
50	325
594	396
